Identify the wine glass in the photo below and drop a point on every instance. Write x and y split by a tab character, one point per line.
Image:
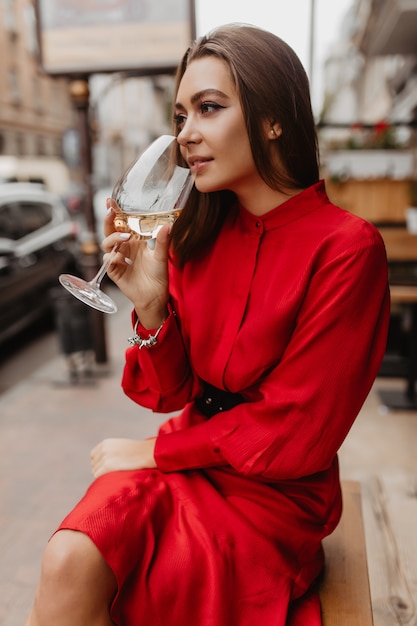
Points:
148	195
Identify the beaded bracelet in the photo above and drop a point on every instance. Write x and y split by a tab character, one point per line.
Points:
137	340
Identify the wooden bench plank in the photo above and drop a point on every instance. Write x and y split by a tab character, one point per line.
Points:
344	593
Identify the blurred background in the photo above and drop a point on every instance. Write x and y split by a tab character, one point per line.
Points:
86	86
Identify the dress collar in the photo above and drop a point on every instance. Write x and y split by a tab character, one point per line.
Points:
297	206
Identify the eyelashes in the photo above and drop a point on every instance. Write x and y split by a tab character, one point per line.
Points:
179	121
204	109
210	107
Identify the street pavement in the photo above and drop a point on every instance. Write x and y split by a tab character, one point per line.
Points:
47	429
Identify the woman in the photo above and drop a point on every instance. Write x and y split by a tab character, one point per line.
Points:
267	309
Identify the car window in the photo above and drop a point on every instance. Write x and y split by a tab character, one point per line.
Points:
10	227
18	219
34	215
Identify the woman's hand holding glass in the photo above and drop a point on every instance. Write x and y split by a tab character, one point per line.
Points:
147	198
140	272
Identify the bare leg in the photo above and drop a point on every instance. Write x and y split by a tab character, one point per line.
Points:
76	586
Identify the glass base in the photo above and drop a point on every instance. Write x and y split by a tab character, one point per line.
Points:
88	293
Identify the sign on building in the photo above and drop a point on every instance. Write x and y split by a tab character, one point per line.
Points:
79	37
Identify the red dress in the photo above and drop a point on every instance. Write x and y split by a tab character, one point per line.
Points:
290	309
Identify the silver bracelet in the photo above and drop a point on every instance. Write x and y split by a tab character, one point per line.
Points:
137	340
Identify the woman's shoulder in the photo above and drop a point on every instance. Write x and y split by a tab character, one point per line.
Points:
354	241
344	224
358	230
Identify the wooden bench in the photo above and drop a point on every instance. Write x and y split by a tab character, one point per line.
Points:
344	592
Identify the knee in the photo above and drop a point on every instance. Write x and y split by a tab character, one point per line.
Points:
75	584
70	557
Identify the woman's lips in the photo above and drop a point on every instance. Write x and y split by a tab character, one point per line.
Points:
198	164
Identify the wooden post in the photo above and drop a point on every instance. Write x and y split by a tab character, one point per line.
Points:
90	262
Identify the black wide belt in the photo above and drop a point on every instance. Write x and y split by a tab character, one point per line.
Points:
215	400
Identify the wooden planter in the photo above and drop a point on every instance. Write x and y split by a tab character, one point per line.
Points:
381	200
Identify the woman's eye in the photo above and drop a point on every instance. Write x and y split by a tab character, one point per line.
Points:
209	107
206	108
179	121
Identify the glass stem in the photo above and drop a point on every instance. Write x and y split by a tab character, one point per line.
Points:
96	281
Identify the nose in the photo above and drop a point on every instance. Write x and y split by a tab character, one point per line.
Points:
189	133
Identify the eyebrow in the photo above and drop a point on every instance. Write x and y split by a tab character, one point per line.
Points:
204	93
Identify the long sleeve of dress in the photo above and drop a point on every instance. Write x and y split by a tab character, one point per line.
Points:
162	388
302	341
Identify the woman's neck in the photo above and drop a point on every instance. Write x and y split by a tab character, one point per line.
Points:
265	199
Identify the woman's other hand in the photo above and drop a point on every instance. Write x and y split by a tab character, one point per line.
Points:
112	455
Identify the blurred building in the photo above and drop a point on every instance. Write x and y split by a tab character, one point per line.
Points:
39	126
368	124
371	78
127	113
389	33
368	139
35	109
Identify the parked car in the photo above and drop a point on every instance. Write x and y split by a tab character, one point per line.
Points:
37	243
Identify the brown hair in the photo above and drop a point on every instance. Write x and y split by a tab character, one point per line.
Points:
272	85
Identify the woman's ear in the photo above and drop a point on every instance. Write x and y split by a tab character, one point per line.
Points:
274	131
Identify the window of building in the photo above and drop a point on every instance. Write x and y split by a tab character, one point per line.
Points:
14	86
37	94
20	142
9	16
31	35
40	146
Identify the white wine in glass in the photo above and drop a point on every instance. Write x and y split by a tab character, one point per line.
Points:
148	195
